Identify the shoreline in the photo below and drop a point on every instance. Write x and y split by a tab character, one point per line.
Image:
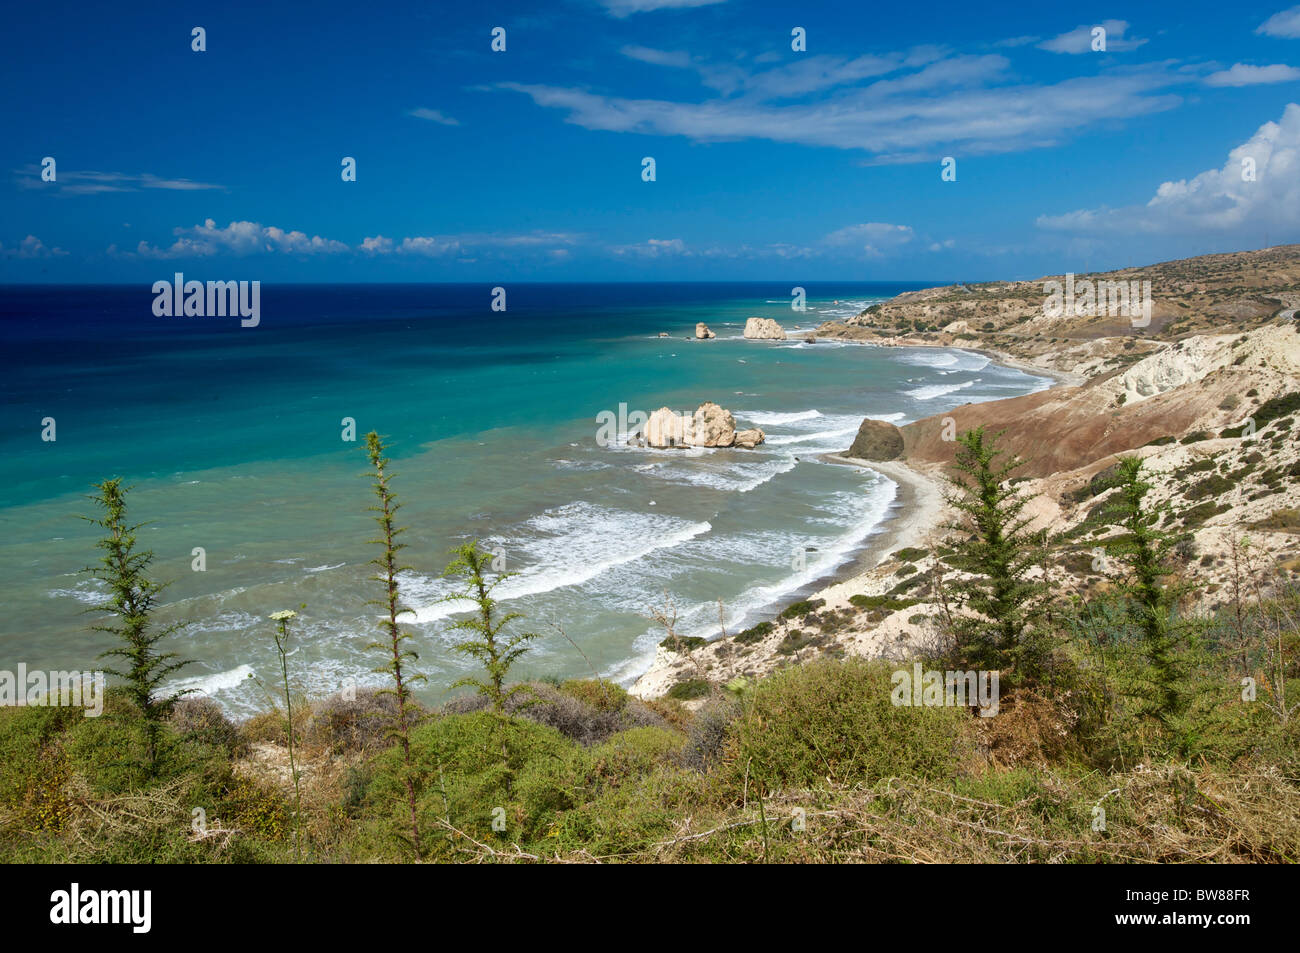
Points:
913	517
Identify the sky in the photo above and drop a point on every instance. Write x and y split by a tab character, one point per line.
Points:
1180	137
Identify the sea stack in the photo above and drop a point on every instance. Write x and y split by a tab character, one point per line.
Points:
877	440
763	329
710	426
702	332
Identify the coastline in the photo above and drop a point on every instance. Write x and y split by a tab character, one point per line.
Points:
914	518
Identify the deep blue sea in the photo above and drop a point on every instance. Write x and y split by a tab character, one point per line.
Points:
232	438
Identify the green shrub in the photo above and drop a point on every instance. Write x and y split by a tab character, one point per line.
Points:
836	720
754	634
689	688
910	554
799	609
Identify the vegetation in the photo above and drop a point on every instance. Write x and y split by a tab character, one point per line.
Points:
999	632
397	660
1177	731
132	599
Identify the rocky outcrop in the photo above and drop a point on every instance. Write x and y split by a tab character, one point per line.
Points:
763	329
702	332
665	428
877	440
712	427
709	426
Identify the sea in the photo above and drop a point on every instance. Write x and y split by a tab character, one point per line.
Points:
244	451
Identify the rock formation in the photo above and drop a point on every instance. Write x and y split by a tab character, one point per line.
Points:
763	328
665	428
702	332
709	426
712	427
877	440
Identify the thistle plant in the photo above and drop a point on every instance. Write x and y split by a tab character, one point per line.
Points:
282	620
398	658
486	643
132	599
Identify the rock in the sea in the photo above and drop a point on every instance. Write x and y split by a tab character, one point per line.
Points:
702	332
810	339
709	426
665	428
764	328
712	427
877	440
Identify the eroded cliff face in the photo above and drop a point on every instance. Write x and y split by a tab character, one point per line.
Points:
1198	384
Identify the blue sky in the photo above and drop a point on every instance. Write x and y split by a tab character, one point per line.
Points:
475	165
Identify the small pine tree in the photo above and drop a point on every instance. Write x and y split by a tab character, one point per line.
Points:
486	643
399	658
1001	633
1145	552
132	599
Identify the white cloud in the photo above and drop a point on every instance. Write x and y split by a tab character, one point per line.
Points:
434	115
31	247
948	103
653	248
1079	40
678	59
429	246
625	8
1285	24
239	238
89	182
1240	74
1219	200
875	238
438	246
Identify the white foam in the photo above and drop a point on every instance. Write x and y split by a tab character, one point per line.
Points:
938	390
566	546
211	684
823	436
736	478
766	418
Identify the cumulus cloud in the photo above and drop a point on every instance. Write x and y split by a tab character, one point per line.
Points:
1258	187
31	247
1285	24
1079	40
434	115
1241	74
239	238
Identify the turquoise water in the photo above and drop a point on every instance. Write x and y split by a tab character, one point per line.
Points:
232	439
